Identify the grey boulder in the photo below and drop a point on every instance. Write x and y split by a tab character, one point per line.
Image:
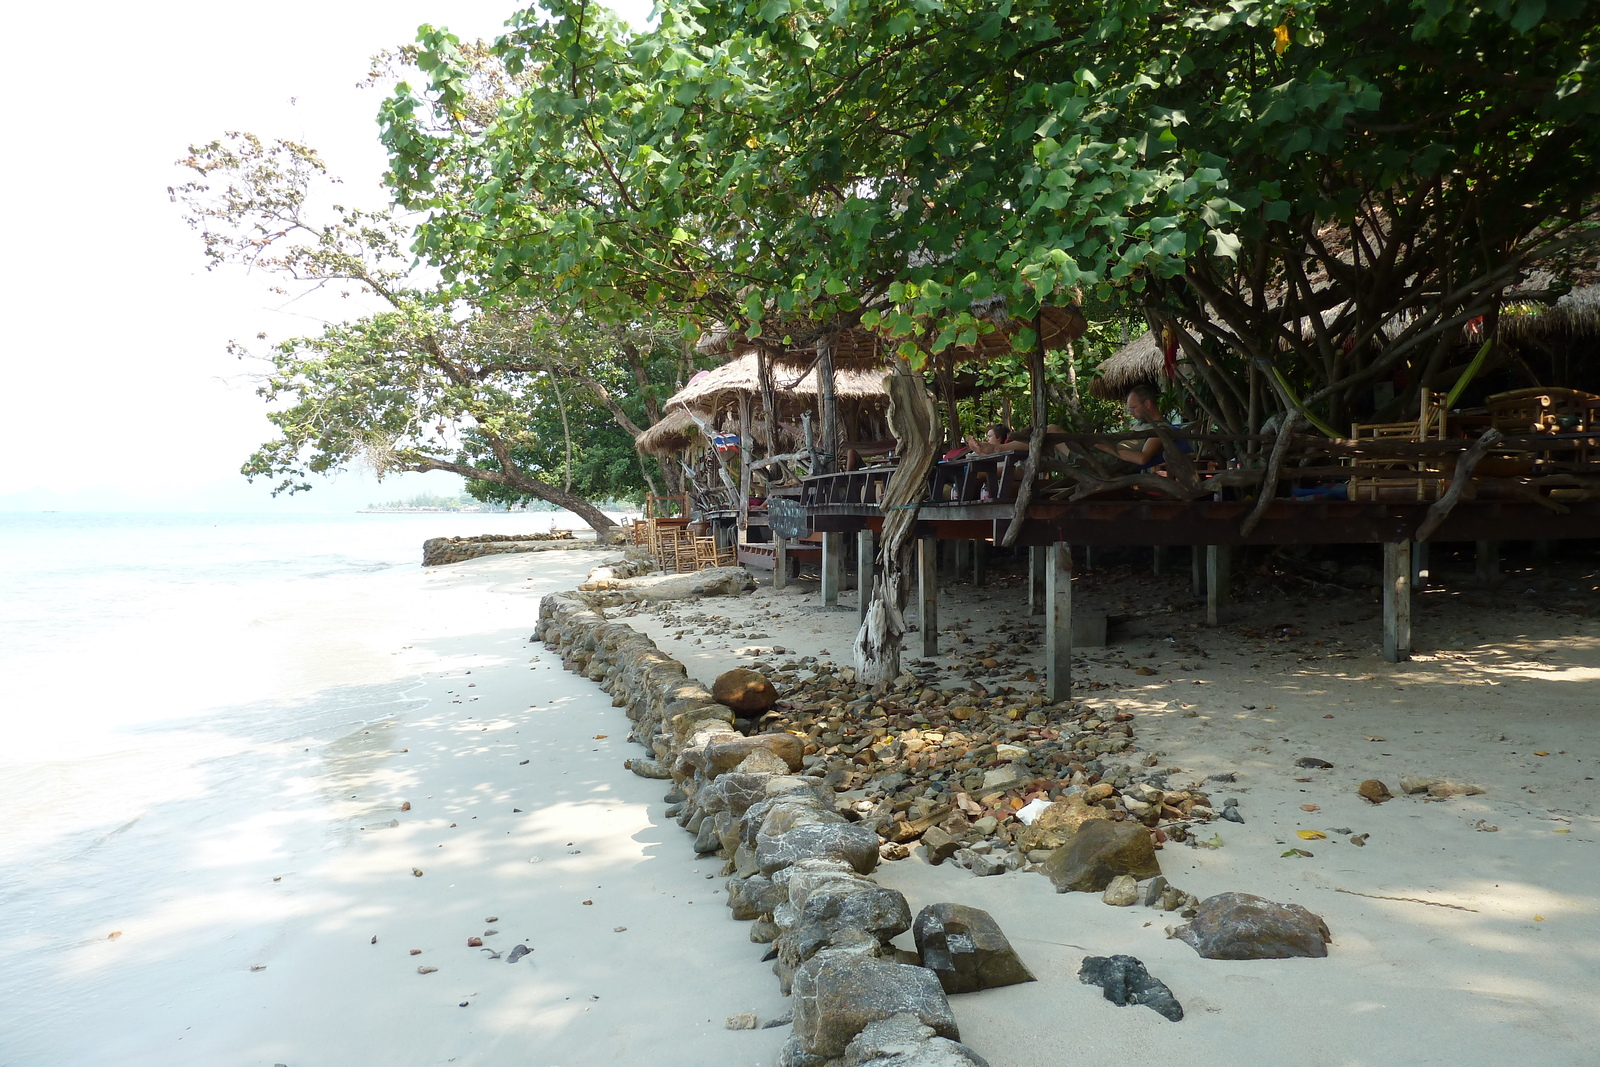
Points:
837	995
966	949
1126	981
852	843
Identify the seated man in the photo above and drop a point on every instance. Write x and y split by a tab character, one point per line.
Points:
1134	455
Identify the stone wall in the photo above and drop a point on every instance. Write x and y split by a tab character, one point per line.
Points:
798	869
437	551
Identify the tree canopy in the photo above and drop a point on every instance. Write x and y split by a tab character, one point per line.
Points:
1315	193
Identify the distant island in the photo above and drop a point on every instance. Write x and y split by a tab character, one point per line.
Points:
458	503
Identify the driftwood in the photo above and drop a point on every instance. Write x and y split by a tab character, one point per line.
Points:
912	419
1458	484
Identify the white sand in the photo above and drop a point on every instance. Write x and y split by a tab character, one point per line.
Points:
287	863
1514	979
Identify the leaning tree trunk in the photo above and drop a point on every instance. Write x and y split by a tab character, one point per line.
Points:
913	420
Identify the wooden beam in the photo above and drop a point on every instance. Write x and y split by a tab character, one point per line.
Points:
1219	576
1397	601
866	557
1036	564
832	567
1058	622
928	594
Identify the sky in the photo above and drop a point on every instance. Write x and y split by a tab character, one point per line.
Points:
114	375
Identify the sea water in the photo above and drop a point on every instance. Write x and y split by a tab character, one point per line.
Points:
167	684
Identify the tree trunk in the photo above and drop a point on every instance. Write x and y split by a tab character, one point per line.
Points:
832	459
512	478
913	420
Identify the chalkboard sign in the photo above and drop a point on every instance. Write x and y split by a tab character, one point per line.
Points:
786	517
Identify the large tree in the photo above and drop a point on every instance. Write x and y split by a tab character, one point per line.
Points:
523	403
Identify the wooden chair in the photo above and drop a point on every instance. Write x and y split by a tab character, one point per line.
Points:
1377	478
1539	410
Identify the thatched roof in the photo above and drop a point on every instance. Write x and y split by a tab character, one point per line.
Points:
1139	360
711	389
1575	315
676	431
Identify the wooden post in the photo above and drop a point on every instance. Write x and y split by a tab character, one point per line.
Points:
1397	601
1158	560
1488	562
963	561
745	456
780	562
832	567
1088	557
1197	569
1058	622
928	593
1036	563
1419	565
865	558
980	563
1219	563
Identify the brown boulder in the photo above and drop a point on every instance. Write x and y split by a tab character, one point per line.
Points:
744	690
1374	791
1057	823
1240	926
1098	852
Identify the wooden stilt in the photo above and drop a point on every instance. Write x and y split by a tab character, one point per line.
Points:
1158	560
928	594
963	562
1419	565
1036	561
1197	569
866	553
1397	601
1058	622
780	563
949	564
1488	562
1089	553
832	567
980	563
1219	563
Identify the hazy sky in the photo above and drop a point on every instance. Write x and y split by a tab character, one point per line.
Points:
112	360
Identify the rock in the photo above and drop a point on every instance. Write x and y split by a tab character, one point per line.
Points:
879	911
853	843
986	825
647	768
744	690
902	1041
1312	763
938	845
1008	776
1126	981
1374	791
1451	789
836	996
743	1021
1239	926
965	947
1153	891
1098	852
1061	820
986	866
763	761
727	751
753	897
1231	812
1122	892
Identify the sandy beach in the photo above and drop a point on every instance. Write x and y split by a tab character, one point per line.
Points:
1465	931
284	930
231	921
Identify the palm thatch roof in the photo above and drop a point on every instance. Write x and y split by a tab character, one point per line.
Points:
1576	315
1139	360
676	431
791	378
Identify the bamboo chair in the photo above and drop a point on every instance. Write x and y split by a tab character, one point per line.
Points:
1398	479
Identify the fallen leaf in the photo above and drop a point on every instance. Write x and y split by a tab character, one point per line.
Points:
258	966
600	737
1310	835
1561	831
1538	918
1370	737
618	929
113	935
1309	807
1146	671
416	952
1360	840
406	806
588	902
1541	753
1296	852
